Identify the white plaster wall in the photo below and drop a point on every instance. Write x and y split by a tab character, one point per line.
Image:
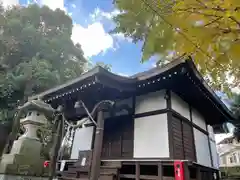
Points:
215	156
202	148
150	102
180	105
198	119
82	141
151	137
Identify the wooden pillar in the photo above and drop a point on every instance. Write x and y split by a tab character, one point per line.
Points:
209	146
160	171
169	120
97	150
199	173
217	175
186	171
137	166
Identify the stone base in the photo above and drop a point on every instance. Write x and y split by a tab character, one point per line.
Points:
24	159
12	177
27	146
22	165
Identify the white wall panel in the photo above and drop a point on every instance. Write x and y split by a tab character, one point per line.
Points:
180	106
215	156
151	137
198	119
202	148
82	141
150	102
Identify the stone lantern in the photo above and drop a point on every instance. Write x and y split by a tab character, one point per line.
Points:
29	142
25	157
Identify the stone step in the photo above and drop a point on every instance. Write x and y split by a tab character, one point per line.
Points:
107	177
117	164
70	178
108	171
81	170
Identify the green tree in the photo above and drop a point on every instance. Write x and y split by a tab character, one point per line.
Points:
206	30
37	53
103	65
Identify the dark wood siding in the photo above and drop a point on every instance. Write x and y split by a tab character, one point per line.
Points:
118	138
183	142
188	142
177	138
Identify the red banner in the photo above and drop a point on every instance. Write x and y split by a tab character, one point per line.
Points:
179	170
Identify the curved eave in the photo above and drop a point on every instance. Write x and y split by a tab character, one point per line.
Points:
98	75
178	71
183	77
214	98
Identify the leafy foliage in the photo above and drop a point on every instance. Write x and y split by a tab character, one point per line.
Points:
37	53
103	65
206	30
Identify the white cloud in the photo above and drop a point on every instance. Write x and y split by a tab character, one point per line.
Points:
121	37
74	6
9	2
122	74
98	13
93	38
54	4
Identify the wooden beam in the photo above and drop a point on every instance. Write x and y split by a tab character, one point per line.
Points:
97	150
186	171
199	173
209	146
160	171
169	120
137	167
192	131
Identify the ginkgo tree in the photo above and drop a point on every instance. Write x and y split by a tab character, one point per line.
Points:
207	30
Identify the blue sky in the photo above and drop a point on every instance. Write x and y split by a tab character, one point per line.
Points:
92	22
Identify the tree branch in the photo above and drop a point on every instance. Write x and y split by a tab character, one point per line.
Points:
215	20
235	20
195	11
200	2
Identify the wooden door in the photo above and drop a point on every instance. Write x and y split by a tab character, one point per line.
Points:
118	138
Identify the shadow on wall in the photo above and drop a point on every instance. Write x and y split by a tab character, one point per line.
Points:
5	129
